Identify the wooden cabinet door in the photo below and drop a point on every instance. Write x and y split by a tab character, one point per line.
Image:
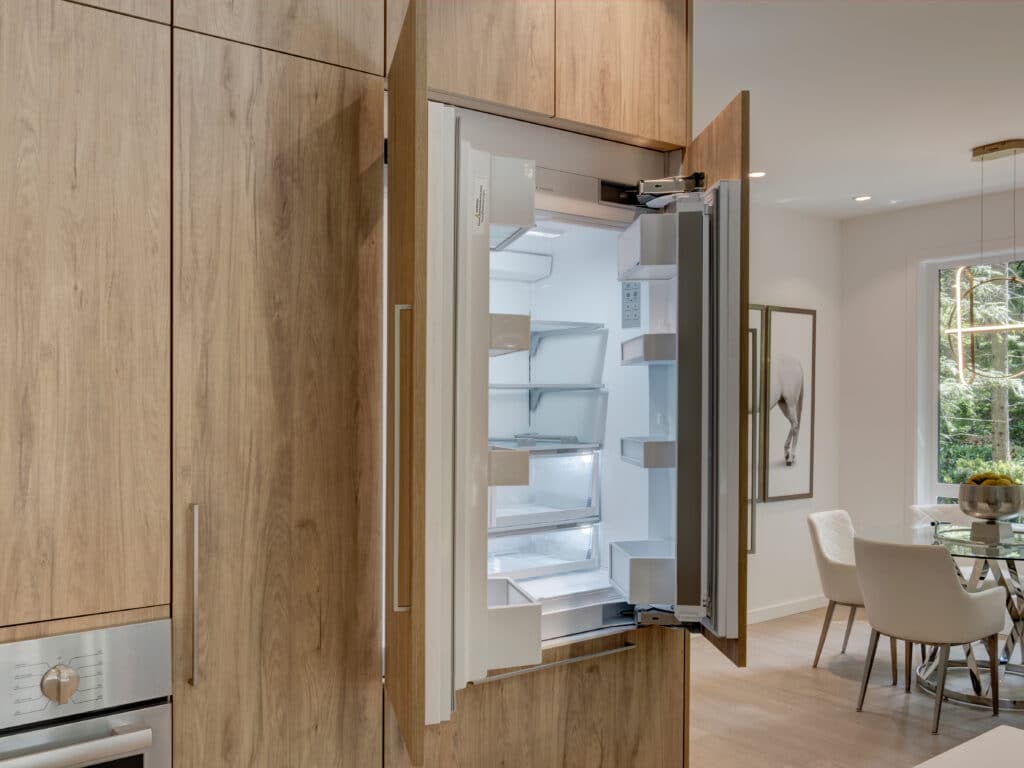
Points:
500	52
349	33
278	193
612	702
404	668
624	66
154	10
84	307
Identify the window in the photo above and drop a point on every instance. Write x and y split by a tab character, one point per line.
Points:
979	417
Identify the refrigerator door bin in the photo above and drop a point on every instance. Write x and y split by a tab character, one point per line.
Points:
563	487
542	553
649	452
513	626
645	571
650	349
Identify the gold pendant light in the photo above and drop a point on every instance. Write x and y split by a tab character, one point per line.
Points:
961	330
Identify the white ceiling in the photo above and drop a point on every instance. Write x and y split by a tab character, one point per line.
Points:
874	97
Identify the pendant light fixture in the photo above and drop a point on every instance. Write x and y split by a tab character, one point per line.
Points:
962	330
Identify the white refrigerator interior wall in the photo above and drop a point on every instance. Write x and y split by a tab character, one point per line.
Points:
794	262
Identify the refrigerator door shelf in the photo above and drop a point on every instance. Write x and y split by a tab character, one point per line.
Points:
645	571
650	349
648	248
513	626
649	452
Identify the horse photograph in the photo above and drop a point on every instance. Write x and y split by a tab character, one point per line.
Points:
789	403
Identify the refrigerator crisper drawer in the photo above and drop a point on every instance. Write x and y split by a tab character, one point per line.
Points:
563	488
645	571
542	553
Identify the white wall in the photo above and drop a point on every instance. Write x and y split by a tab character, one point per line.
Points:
881	261
794	261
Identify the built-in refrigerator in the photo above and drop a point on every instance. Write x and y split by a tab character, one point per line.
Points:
583	397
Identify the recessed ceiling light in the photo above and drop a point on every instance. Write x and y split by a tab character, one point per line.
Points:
861	198
757	174
542	233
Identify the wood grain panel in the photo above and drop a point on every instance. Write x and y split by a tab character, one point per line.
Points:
277	424
623	65
498	51
621	710
722	151
404	671
349	33
83	623
84	307
154	10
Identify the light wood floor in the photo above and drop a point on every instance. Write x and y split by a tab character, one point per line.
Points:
780	713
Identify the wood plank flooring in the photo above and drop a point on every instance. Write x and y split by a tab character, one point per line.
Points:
780	713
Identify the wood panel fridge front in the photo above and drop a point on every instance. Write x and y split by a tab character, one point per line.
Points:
84	351
278	182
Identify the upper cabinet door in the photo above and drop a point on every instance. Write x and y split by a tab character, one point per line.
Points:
154	10
407	319
624	66
278	196
349	33
500	52
84	307
722	153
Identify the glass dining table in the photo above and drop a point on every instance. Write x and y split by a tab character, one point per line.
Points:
982	566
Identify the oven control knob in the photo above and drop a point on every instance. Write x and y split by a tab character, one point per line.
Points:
59	683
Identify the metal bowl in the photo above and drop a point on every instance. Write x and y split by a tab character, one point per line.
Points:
991	502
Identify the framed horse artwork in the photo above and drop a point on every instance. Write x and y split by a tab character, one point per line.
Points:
788	404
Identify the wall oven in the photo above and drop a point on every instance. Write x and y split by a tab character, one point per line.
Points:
98	699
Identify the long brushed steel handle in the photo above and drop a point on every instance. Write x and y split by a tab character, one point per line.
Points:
552	664
120	744
194	679
755	450
396	448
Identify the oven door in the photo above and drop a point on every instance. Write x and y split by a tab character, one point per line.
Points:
138	738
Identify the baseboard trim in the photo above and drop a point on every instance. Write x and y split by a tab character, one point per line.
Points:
779	610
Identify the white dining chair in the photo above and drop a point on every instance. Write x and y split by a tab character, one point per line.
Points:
912	592
832	538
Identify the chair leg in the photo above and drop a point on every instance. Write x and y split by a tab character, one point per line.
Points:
940	685
909	659
868	663
993	668
824	631
892	653
849	626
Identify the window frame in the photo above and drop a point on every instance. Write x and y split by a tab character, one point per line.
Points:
929	489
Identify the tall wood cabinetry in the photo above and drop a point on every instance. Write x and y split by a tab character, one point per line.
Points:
85	311
278	171
613	68
349	33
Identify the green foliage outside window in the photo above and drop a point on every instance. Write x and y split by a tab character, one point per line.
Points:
981	423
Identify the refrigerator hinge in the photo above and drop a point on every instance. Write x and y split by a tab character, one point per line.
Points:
649	189
663	617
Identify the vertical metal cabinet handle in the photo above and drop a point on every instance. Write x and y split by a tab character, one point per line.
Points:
194	679
755	453
120	744
396	448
